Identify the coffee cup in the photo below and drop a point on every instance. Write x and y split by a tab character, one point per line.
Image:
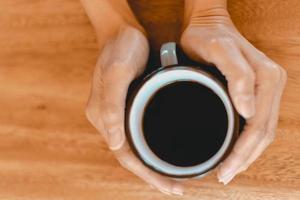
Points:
180	120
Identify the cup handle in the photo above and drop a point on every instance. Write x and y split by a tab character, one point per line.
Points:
168	54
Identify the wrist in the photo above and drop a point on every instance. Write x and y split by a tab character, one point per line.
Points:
108	17
202	11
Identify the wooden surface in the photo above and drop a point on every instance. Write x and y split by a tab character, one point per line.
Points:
48	150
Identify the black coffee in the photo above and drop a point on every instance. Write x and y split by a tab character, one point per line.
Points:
185	123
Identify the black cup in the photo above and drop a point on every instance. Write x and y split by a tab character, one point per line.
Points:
180	120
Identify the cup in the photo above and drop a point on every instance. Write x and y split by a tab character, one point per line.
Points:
180	120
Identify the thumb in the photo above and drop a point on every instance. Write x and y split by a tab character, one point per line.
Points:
106	104
114	92
119	63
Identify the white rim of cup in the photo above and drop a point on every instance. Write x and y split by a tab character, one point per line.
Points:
142	97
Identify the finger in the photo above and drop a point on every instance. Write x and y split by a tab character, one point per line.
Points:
273	121
239	74
268	77
271	126
268	138
129	161
247	142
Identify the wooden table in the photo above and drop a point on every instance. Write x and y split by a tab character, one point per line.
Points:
48	150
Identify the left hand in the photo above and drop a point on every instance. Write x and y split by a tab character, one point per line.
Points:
255	83
123	56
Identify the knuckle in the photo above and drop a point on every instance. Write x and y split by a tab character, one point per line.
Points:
227	40
216	46
214	41
220	42
243	80
110	114
247	76
90	114
260	132
94	117
271	74
272	71
103	116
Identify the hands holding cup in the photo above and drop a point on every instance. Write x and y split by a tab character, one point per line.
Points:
255	82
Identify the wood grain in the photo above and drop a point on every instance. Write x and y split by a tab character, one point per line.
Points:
48	150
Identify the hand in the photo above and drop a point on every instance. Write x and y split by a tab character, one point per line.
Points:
124	52
122	59
255	82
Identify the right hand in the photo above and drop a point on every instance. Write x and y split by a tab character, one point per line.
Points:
255	82
122	58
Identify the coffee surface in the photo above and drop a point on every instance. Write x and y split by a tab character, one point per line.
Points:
185	123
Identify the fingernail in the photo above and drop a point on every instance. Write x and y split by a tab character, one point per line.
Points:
177	189
246	105
227	176
115	138
223	175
